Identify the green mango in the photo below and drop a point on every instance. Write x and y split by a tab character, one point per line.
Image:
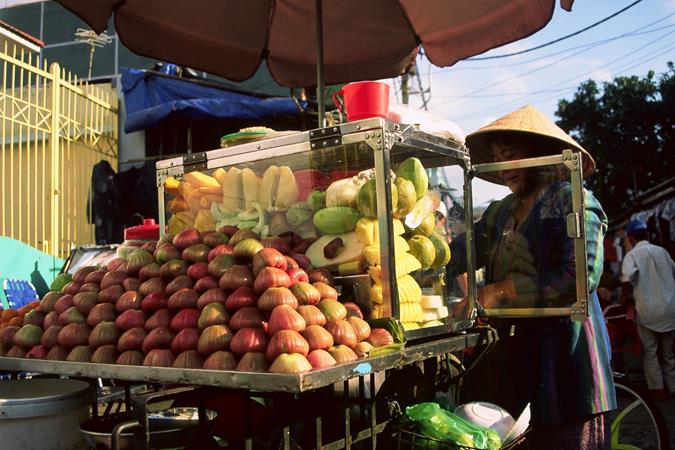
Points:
442	257
366	200
412	169
407	197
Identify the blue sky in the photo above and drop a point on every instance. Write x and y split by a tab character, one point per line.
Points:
473	93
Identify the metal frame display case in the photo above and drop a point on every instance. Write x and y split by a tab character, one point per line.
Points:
575	228
354	146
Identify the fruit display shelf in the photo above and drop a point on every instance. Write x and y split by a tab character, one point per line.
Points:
252	381
350	193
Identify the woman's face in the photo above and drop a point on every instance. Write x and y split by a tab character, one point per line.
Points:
517	179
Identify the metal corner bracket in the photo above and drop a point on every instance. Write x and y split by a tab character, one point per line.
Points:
325	137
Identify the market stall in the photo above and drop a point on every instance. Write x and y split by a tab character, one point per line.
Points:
306	269
282	268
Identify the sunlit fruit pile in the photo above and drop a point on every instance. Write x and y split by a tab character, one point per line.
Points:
337	212
223	300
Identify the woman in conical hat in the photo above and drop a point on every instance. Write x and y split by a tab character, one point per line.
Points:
560	366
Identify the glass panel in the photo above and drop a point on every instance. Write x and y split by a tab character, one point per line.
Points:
323	203
435	218
525	259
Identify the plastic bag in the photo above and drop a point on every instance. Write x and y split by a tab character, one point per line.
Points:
437	423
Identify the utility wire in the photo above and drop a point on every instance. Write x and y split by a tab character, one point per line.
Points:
507	106
636	32
538	91
498	109
555	41
530	72
644	60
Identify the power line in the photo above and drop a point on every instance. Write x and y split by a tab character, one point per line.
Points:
634	33
513	103
555	41
530	72
546	90
633	63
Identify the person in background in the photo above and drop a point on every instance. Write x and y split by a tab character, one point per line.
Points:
561	367
648	276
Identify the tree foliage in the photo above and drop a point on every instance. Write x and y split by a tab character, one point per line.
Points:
628	125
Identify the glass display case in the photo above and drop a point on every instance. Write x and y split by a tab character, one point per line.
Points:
374	202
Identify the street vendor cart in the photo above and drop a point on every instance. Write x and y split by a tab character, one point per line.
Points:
344	197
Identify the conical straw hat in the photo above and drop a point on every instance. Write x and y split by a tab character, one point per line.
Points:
527	120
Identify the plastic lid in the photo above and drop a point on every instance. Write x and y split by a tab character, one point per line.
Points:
149	231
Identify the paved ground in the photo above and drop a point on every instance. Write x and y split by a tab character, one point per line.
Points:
668	410
633	369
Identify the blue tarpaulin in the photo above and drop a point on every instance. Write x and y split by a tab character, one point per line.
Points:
150	98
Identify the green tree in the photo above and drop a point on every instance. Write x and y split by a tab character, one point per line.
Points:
628	125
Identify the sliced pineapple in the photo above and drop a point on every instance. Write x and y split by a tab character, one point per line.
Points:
376	294
410	325
408	290
411	312
368	233
405	263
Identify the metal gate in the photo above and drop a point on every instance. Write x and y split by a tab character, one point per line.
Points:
54	129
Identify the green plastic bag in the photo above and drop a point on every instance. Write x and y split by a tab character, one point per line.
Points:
437	423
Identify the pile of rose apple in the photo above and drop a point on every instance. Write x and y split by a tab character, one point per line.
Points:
215	300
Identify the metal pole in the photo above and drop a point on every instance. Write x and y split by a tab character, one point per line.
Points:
405	94
319	62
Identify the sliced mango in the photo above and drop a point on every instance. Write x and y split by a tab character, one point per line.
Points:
171	185
198	179
177	205
210	190
204	221
206	200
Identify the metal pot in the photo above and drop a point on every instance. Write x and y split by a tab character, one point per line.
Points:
169	428
43	413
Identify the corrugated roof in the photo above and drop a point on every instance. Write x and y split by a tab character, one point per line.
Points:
32	39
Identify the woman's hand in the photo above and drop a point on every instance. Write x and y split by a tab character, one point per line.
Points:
497	294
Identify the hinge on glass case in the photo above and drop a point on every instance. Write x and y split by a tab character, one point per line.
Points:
161	177
574	225
193	162
325	137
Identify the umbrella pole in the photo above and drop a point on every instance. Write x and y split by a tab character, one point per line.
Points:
319	63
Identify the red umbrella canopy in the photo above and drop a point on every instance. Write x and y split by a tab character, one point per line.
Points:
362	39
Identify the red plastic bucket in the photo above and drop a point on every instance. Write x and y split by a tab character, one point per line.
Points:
363	99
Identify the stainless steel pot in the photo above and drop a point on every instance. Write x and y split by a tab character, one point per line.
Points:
169	428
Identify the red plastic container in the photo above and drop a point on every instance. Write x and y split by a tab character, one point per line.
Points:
136	236
364	99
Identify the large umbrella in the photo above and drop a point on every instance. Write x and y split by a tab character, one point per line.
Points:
309	43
